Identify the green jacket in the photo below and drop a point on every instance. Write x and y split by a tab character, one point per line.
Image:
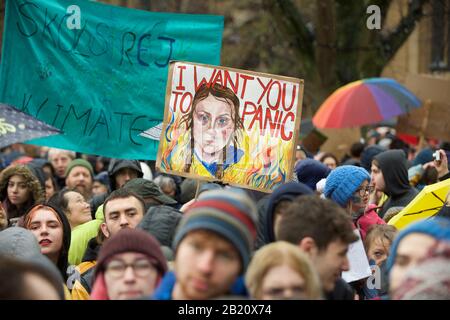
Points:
81	236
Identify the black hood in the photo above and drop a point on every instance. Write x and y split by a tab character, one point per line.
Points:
393	164
116	164
288	191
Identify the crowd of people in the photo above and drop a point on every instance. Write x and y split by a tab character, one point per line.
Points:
80	227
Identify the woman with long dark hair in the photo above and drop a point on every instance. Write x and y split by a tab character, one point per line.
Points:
52	230
19	191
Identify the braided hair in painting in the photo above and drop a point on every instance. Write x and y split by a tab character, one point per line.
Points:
223	94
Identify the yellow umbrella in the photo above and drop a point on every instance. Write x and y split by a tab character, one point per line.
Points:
425	205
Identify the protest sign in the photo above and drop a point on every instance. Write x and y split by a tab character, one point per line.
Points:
98	72
234	126
431	122
357	258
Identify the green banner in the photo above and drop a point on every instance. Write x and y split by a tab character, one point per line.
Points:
98	72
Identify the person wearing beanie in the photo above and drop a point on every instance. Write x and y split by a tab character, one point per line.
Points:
429	279
412	245
101	184
310	171
113	279
389	174
343	182
423	157
212	245
79	177
23	257
368	154
349	187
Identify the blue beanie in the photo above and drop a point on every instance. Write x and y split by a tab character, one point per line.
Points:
424	156
343	181
310	171
438	228
368	154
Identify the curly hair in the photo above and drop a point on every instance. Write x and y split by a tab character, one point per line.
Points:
36	191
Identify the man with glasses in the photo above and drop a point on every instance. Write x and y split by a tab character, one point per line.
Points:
130	265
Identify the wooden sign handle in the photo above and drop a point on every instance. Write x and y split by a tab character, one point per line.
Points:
427	106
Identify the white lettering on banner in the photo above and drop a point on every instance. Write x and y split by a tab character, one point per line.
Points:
74	20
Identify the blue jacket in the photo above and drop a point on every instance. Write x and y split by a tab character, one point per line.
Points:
165	288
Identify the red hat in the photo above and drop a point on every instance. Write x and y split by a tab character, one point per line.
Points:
131	240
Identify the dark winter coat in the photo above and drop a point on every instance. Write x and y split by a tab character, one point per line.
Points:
161	222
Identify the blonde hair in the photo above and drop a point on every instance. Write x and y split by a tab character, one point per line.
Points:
277	254
380	231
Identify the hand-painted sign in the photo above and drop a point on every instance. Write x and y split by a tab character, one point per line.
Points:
231	125
98	72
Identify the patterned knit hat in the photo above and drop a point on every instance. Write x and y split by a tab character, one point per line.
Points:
343	181
79	163
430	278
230	214
438	228
131	240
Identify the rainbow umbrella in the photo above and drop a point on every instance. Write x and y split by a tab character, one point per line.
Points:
364	102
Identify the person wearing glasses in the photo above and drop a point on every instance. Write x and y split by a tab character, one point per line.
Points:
349	186
130	265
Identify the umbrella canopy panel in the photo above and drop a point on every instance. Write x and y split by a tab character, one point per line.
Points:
365	102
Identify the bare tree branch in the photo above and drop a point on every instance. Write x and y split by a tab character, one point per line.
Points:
288	18
395	39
